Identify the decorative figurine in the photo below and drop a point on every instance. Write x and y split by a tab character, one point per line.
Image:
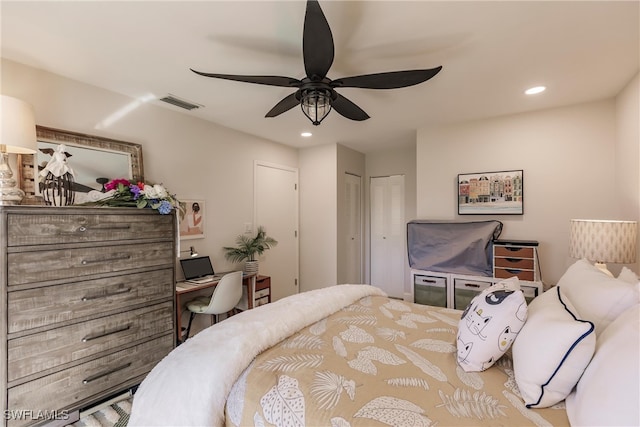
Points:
57	178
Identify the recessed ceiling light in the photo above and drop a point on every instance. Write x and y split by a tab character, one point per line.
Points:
535	90
306	134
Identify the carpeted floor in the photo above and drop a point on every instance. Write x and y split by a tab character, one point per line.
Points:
114	415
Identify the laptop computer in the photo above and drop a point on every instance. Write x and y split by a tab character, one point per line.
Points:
198	270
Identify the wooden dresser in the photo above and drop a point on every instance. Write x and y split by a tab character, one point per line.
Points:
87	303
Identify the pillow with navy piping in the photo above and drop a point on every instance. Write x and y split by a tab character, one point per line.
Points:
552	350
489	325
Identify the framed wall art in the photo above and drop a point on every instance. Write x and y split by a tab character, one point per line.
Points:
491	193
192	224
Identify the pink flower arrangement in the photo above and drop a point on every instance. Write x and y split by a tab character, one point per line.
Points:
122	192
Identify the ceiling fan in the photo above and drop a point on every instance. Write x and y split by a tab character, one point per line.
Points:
316	93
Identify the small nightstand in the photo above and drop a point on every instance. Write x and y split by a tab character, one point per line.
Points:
263	291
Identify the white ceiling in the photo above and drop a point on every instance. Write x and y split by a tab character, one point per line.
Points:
490	52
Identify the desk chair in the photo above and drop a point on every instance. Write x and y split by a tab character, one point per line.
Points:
226	295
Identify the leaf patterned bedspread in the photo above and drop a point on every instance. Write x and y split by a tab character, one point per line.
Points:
379	362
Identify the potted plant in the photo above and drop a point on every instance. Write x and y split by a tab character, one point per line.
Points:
249	248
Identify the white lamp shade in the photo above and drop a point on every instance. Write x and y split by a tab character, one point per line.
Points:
18	126
603	240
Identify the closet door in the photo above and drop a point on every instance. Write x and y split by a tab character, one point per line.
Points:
387	234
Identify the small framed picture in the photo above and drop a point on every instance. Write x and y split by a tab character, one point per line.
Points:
491	193
192	223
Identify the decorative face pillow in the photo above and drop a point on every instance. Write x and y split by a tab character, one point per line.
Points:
490	324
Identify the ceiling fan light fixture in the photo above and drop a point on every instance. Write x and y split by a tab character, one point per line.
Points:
316	104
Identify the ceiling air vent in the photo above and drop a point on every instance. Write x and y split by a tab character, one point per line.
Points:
170	99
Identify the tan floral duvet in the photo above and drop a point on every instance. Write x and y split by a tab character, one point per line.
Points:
378	362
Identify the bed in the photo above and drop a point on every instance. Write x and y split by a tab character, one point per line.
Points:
347	355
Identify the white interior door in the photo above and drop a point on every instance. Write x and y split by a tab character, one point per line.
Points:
353	235
276	208
387	234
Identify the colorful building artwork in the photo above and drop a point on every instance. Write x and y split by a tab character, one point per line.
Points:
490	193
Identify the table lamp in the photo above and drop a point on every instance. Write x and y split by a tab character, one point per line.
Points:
603	241
17	136
192	252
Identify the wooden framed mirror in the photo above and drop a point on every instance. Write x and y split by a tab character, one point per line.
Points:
92	158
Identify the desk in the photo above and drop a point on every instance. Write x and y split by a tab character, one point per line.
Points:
184	288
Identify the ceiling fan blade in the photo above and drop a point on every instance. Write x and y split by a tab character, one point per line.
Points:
285	105
348	109
261	80
390	80
317	42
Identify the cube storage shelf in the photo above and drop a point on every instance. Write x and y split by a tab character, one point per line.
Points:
452	290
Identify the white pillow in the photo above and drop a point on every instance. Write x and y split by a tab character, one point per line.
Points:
597	297
609	391
552	350
628	276
489	325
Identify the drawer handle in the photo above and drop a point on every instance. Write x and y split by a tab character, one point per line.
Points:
471	285
513	271
114	258
513	259
107	295
104	374
82	228
115	331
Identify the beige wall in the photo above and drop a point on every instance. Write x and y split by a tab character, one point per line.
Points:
572	158
318	219
569	160
192	157
628	153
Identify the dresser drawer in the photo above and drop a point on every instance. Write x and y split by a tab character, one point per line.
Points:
263	282
505	273
513	251
48	305
68	388
34	267
518	263
59	229
467	289
261	293
45	350
261	301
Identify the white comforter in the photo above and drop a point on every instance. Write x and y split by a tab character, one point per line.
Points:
189	387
